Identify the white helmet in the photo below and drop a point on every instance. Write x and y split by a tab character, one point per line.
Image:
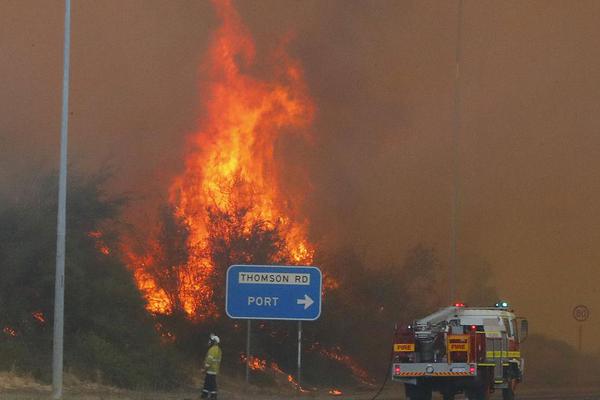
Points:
214	338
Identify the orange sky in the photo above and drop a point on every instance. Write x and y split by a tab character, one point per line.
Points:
381	75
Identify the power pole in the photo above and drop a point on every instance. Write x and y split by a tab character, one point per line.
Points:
453	270
59	288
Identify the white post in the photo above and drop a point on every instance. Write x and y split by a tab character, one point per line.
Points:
299	354
248	351
59	289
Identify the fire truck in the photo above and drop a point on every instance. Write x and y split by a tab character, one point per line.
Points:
459	349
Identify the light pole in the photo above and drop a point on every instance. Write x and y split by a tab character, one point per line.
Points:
453	269
59	288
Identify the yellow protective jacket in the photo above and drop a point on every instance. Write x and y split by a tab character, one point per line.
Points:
212	361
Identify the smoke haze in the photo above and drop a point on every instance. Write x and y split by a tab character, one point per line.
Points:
382	77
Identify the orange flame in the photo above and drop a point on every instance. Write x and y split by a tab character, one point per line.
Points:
231	164
254	363
39	316
100	244
9	331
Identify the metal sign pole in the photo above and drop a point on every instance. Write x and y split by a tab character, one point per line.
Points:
299	353
59	289
580	336
248	352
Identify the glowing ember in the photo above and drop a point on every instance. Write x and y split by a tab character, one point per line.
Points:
335	392
254	363
231	171
9	331
165	334
100	244
39	316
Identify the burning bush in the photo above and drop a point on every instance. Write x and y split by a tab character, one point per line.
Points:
107	331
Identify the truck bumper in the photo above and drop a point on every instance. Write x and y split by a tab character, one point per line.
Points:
407	372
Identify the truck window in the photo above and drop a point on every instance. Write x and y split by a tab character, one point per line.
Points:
509	327
513	328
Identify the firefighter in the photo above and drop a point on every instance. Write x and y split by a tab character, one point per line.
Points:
212	362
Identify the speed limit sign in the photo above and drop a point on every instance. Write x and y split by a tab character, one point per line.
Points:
581	313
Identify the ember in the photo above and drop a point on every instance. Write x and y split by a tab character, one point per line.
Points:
9	331
39	316
254	363
100	244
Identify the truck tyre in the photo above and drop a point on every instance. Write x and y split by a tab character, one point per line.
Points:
418	392
509	392
479	393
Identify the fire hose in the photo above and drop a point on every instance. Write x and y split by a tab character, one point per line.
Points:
387	373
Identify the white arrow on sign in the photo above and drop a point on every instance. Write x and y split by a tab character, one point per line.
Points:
307	301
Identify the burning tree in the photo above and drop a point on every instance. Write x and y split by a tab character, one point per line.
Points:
228	205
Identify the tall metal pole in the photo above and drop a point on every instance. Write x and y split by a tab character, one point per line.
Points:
248	351
453	270
299	354
59	289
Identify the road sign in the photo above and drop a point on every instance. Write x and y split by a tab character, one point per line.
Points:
273	292
581	313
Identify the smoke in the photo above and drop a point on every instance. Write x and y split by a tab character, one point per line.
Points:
382	76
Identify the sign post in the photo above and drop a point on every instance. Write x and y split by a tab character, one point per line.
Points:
299	352
248	351
274	293
581	314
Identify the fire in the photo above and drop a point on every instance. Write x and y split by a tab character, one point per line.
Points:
100	244
39	316
254	363
9	331
335	392
231	171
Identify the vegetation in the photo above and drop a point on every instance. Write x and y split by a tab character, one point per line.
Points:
110	338
108	335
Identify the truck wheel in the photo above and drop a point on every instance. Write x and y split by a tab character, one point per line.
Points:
509	392
479	393
418	392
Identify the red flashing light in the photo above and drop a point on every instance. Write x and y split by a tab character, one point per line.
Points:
397	370
459	304
472	370
473	327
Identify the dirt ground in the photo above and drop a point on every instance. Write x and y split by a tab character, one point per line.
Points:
14	387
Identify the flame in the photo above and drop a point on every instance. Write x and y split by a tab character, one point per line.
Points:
166	335
9	331
254	363
335	392
39	316
231	167
100	244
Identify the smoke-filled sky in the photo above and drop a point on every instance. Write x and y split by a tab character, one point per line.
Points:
381	74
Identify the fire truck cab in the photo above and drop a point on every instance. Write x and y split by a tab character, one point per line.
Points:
458	349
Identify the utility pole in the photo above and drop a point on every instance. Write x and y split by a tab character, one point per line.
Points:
59	288
453	270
